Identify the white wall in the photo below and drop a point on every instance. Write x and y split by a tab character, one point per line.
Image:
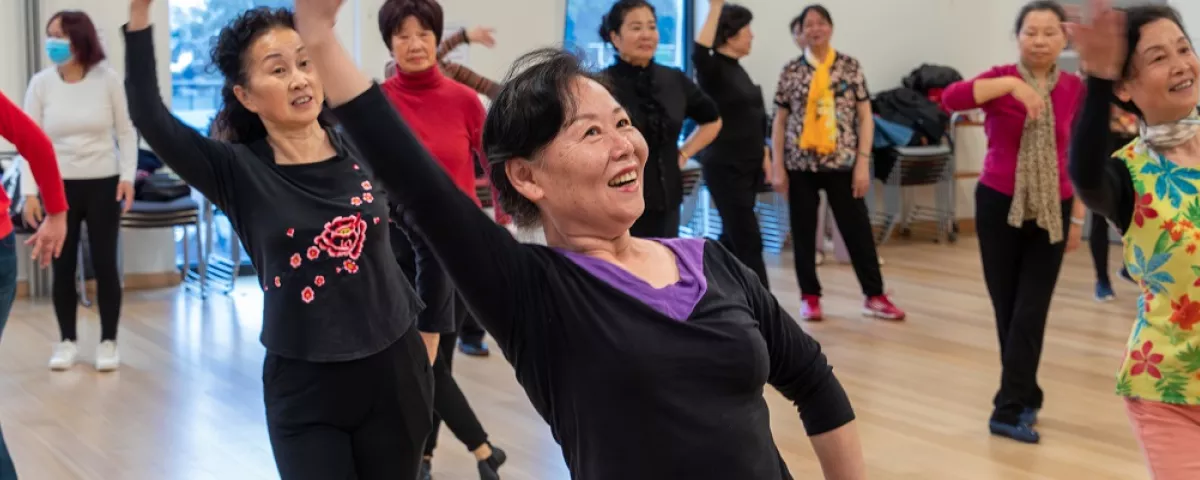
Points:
1190	11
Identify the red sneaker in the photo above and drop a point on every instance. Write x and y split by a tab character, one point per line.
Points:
883	308
810	308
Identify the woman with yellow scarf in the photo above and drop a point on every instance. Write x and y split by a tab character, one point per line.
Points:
821	140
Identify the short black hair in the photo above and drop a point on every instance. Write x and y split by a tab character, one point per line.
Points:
526	116
733	19
393	12
1137	18
1039	6
816	7
612	21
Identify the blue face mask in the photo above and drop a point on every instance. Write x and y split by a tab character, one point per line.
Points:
59	50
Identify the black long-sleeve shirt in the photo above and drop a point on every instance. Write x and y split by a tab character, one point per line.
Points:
316	233
658	100
744	124
628	392
1102	181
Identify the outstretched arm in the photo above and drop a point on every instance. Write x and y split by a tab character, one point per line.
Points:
1101	181
483	259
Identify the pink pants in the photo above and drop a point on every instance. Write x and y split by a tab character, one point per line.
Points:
1169	435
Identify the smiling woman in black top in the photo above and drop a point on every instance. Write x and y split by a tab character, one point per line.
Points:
647	357
738	162
658	99
346	378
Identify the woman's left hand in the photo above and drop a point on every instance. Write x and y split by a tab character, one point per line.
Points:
313	17
862	182
1074	237
125	195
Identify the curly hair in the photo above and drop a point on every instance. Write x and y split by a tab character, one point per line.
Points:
233	122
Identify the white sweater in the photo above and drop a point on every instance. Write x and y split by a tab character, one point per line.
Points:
88	122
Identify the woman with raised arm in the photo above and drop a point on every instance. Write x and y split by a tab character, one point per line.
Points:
1024	205
448	118
738	162
658	99
346	379
647	357
1142	59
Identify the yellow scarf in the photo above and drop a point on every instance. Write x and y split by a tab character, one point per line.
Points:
820	133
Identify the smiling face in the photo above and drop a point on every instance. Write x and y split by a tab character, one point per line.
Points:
1042	38
637	40
414	46
281	85
1162	74
588	179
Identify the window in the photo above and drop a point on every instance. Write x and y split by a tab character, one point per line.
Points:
582	31
195	83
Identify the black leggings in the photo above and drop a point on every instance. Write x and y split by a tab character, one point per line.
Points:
1100	247
364	419
93	201
853	222
734	190
449	403
1020	268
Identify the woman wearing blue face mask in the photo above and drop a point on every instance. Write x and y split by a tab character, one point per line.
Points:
80	103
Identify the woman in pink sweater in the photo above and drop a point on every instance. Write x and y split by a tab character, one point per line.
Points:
1025	212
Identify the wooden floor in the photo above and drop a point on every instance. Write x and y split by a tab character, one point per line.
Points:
188	402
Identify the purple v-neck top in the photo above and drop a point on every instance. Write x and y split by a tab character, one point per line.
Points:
676	300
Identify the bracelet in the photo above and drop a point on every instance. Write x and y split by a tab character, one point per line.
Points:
1077	221
864	154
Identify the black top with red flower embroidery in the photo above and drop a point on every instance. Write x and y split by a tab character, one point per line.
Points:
628	392
316	233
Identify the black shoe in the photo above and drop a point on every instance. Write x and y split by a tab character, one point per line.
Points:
1021	432
489	468
426	470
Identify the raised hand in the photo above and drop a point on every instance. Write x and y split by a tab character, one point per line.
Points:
482	36
316	17
1101	41
139	14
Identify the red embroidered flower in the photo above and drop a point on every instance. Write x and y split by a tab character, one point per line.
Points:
291	232
338	269
307	294
356	166
277	285
343	237
367	197
1146	362
295	261
1191	248
366	185
313	253
356	201
1186	313
1142	210
377	220
350	266
319	281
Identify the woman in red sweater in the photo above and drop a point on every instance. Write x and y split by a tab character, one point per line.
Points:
448	118
1025	210
35	147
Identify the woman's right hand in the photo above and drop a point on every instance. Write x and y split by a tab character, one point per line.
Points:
1024	93
32	213
139	14
1101	42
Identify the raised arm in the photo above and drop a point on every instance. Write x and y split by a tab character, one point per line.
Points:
1101	181
461	73
801	373
206	164
482	258
708	32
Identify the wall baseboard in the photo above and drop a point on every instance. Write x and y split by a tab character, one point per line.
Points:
133	281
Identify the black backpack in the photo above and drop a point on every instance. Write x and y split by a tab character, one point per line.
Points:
907	107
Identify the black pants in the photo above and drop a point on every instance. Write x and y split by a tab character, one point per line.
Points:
449	403
734	189
852	219
93	201
1100	247
657	224
471	332
365	419
1020	267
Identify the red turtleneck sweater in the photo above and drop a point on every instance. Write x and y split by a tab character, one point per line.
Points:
35	147
446	116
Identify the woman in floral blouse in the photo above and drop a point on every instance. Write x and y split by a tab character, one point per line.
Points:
1151	190
821	140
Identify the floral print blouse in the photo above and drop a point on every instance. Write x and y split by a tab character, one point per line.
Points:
849	88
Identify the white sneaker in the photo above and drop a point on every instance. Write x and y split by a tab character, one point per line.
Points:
107	357
64	356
